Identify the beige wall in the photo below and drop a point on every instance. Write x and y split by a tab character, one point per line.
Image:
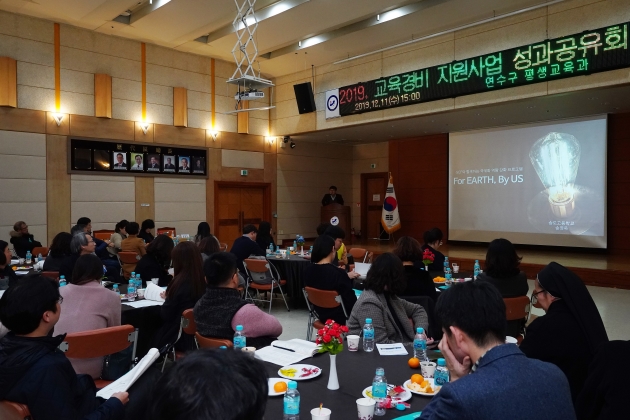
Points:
304	175
363	156
568	17
23	183
180	203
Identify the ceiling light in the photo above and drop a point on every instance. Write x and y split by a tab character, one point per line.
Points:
378	17
299	43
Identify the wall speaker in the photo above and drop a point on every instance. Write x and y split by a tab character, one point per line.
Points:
304	97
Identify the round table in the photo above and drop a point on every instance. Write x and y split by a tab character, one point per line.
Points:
291	269
355	371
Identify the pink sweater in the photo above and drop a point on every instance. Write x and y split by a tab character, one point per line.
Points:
87	307
256	323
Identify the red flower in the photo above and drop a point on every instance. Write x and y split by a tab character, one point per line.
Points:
344	329
327	338
317	341
320	332
330	322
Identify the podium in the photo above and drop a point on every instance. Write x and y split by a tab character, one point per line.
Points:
342	213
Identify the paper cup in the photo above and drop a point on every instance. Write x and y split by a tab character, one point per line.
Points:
155	281
427	369
141	292
21	261
353	343
365	408
320	414
455	268
250	350
510	340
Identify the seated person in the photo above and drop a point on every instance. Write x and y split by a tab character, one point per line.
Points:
265	236
7	275
157	260
87	306
245	246
101	246
505	383
221	308
419	283
208	246
502	270
203	231
132	244
120	233
33	371
81	244
234	393
341	253
570	332
22	240
145	230
332	197
432	241
187	286
321	274
379	301
59	250
606	389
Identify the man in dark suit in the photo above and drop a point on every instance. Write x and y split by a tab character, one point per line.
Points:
184	167
169	164
245	246
120	162
154	164
333	197
488	378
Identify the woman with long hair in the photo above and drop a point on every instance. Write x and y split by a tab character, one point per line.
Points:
502	269
120	233
208	246
203	231
58	251
156	262
87	306
379	301
432	241
419	283
265	236
145	230
187	286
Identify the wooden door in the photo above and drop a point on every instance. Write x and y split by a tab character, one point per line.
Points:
237	205
373	186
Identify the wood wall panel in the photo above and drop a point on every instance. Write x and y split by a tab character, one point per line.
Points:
62	129
234	174
214	172
140	136
245	142
145	194
8	82
57	185
103	95
183	136
16	119
242	119
83	126
180	107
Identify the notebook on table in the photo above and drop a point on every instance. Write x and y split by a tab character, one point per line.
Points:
283	353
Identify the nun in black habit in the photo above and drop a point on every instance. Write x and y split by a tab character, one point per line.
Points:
570	332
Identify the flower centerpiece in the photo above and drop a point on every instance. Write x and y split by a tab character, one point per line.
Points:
427	258
299	240
331	340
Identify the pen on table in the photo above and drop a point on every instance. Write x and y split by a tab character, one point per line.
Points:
278	347
390	348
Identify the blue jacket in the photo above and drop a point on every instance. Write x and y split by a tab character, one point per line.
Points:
505	385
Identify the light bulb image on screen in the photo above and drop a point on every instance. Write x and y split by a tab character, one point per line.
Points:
556	159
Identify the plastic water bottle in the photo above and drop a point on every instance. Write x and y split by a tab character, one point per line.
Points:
62	281
29	257
368	335
448	275
131	292
477	268
294	245
40	257
271	247
132	277
446	263
115	289
138	281
291	403
441	376
420	345
239	338
379	390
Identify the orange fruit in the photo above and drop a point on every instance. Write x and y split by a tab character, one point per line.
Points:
280	386
417	378
424	384
414	363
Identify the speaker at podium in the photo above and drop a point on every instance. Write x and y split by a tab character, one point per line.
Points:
338	215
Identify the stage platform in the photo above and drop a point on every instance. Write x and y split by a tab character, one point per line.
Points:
594	269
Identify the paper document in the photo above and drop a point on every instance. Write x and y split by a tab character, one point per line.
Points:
362	269
21	272
153	293
123	383
394	349
283	353
143	303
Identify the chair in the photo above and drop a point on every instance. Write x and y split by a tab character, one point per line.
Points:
212	343
40	250
324	299
188	326
359	254
52	274
261	278
369	257
435	328
127	257
517	310
100	343
103	234
170	231
14	411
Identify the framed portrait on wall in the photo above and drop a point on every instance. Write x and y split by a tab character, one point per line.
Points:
120	161
199	165
137	162
184	164
169	163
153	162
